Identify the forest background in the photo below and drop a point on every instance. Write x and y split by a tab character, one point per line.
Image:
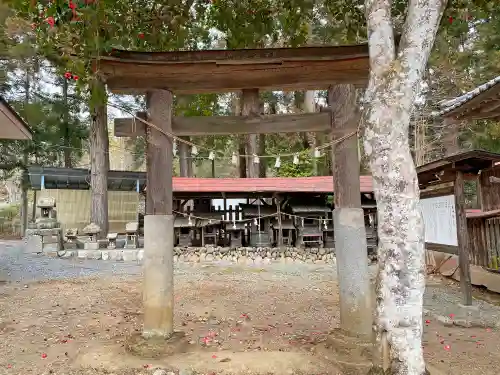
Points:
46	48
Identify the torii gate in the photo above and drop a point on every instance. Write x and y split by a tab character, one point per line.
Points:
160	75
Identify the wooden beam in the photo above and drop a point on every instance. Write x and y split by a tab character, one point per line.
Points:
447	249
260	124
463	240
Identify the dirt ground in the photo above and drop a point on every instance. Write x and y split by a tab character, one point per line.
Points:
235	320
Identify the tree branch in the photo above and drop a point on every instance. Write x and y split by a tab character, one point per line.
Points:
419	32
380	36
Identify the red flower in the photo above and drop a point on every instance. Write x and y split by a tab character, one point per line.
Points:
72	5
44	355
141	35
50	21
67	75
75	78
450	19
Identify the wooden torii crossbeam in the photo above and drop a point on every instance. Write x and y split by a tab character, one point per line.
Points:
225	125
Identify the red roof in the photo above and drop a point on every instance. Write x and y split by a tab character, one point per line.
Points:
320	184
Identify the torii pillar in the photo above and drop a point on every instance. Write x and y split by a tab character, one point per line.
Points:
158	291
356	316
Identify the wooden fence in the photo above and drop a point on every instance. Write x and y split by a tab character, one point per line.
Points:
484	239
230	214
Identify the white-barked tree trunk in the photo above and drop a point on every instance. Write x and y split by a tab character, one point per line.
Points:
395	76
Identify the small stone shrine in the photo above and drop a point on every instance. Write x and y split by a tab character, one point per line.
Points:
132	231
44	235
70	238
91	231
112	237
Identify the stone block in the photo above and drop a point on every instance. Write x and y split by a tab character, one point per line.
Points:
50	232
89	254
34	244
46	223
115	255
82	254
31	232
70	246
129	255
444	320
132	227
67	253
91	246
51	253
50	239
105	255
46	202
54	246
140	255
94	254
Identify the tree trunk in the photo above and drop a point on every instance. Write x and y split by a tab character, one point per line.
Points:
67	137
99	158
242	164
389	101
309	107
185	161
451	131
24	173
250	107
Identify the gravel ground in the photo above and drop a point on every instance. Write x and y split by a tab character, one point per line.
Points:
72	309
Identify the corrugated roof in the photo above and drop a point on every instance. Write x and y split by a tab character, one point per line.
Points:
452	104
320	184
74	178
12	126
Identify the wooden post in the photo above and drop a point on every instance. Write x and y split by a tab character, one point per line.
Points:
349	228
280	230
250	107
33	207
185	163
158	292
226	217
463	240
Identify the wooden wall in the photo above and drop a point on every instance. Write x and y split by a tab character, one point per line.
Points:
489	193
73	208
